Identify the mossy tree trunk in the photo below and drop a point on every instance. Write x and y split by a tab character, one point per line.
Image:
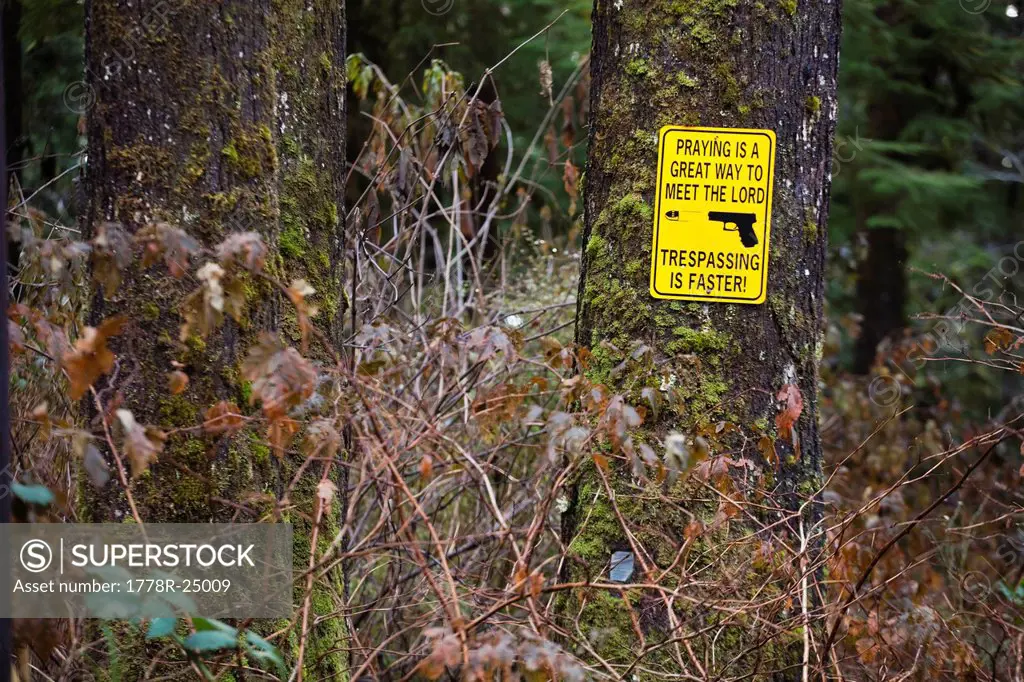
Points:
717	63
218	117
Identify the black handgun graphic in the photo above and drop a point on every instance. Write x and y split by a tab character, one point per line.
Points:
744	222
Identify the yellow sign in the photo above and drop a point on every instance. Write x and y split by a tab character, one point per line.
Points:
712	215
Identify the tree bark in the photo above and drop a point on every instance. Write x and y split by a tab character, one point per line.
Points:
13	140
12	86
881	293
218	118
734	64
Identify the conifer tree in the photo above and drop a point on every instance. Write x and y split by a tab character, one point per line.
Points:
216	119
733	382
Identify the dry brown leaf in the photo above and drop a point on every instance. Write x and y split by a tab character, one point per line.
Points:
177	382
766	446
244	248
446	652
142	444
793	406
570	179
998	339
426	468
536	583
281	378
693	530
111	255
90	359
297	294
280	434
546	78
172	244
224	417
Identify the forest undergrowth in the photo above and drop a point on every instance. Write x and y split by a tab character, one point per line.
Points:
444	439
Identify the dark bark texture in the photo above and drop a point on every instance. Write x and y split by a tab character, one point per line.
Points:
218	117
717	63
14	143
881	293
12	86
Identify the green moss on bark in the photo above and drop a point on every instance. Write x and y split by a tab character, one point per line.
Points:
216	136
714	63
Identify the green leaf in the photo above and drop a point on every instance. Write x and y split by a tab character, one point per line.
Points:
211	640
161	627
33	494
262	650
201	624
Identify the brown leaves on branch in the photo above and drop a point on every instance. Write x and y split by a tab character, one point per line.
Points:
281	380
999	339
142	444
224	417
46	258
173	245
490	342
222	289
766	446
564	435
496	654
322	439
297	294
497	405
619	418
446	651
54	338
217	294
480	133
552	351
245	249
570	179
90	359
280	433
325	493
111	255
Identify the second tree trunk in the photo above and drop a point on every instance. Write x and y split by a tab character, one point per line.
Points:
734	64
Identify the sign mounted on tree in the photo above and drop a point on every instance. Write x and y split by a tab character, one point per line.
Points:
712	214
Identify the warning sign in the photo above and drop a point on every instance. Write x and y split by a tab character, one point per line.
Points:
712	215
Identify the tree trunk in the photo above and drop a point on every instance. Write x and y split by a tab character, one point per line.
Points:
12	85
733	64
881	274
218	118
881	293
13	140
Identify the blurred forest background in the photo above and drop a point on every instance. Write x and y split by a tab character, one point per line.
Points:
927	212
